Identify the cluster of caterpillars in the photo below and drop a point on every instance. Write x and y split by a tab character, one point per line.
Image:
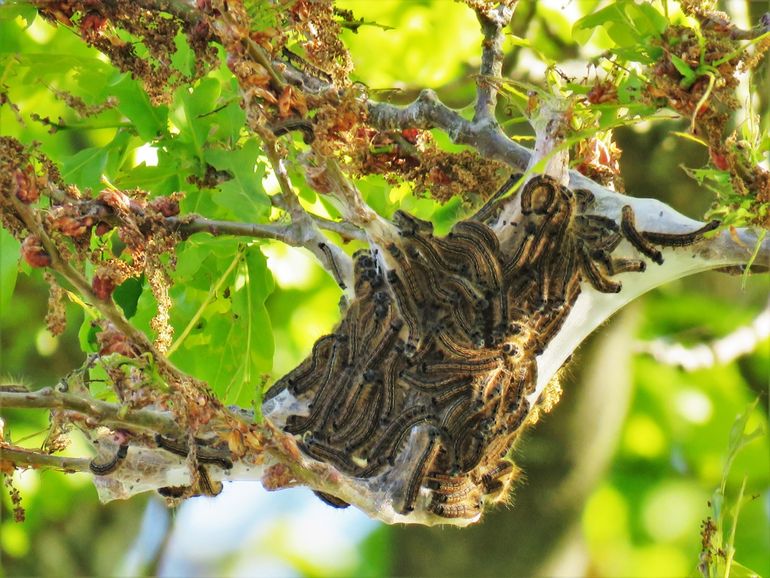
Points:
443	336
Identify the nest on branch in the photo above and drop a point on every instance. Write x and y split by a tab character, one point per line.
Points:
425	385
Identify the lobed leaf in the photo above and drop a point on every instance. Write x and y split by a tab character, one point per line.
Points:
149	121
244	195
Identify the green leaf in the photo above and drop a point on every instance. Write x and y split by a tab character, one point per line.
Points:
447	214
375	190
559	23
184	58
190	255
627	23
127	295
257	338
630	89
9	267
87	335
330	207
638	52
737	431
623	34
49	68
150	121
717	503
162	179
584	28
232	347
191	117
656	22
608	117
684	69
201	260
229	121
244	195
14	10
739	437
85	168
738	570
117	152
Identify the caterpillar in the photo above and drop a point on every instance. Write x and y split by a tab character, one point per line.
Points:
338	278
111	465
447	341
320	402
320	353
423	463
630	232
202	456
594	276
679	239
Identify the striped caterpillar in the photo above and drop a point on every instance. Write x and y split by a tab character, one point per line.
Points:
444	341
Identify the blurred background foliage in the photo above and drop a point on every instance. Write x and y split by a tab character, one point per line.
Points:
619	478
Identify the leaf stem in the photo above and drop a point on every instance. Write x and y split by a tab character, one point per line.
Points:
754	253
735	53
703	99
209	298
730	546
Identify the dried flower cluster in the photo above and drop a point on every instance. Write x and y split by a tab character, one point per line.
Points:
98	24
697	77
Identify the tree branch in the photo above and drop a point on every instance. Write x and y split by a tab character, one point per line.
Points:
21	457
425	112
334	259
280	465
428	112
62	266
104	413
190	225
493	22
347	231
289	234
330	178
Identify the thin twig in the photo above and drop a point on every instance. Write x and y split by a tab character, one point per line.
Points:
259	56
62	266
347	231
190	225
493	22
427	112
105	413
22	457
